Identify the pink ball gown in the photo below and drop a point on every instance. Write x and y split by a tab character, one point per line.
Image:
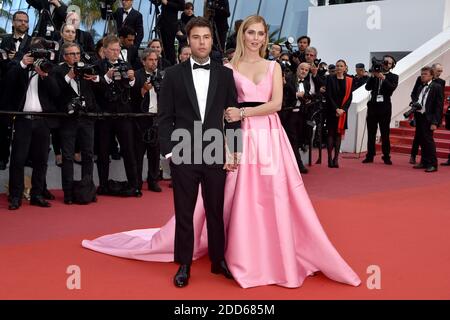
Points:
273	235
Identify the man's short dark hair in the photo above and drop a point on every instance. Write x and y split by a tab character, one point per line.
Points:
110	39
125	31
304	37
197	22
429	69
189	5
19	12
68	45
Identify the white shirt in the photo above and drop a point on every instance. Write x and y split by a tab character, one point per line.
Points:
124	54
153	101
125	15
301	88
72	83
17	44
423	96
201	84
313	86
32	102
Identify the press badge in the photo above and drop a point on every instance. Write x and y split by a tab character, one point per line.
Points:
380	98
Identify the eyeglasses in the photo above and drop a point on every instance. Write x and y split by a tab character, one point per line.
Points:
21	20
73	54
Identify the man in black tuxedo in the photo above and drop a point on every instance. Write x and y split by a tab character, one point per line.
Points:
31	89
129	52
168	27
430	97
382	85
74	87
57	12
219	13
192	101
145	100
15	45
296	93
113	92
127	16
437	71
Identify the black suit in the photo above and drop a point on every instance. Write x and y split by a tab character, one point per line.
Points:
86	42
146	140
178	109
432	116
75	127
168	27
133	20
132	57
31	136
414	97
379	113
114	97
294	121
58	16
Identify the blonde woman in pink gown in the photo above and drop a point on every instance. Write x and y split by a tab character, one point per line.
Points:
273	235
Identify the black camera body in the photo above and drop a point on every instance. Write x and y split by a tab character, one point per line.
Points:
76	105
317	62
377	65
156	2
415	106
81	69
3	55
155	80
286	67
213	5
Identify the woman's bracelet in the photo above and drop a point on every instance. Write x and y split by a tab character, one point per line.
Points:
242	113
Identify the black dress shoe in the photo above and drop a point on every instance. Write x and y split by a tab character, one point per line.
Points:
412	160
330	163
181	279
221	268
387	160
102	190
47	195
40	202
446	164
138	193
335	163
68	200
154	186
303	169
14	204
367	160
431	169
419	166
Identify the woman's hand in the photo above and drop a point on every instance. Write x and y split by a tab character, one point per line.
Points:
232	114
339	112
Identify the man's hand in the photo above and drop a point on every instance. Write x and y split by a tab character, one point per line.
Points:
27	59
339	112
379	75
165	2
433	127
40	72
300	94
323	89
110	73
146	88
90	77
130	74
11	54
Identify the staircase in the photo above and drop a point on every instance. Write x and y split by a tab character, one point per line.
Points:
403	136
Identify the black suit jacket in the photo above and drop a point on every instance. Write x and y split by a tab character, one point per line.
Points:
67	93
133	20
178	107
335	94
290	91
58	16
388	87
8	44
17	86
434	104
169	12
86	42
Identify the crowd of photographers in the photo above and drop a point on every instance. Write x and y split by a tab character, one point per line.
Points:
61	70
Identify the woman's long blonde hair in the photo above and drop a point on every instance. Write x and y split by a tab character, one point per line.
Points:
240	46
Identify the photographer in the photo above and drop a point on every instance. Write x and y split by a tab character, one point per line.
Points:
218	11
76	97
168	26
296	93
145	100
428	112
129	52
382	84
15	45
115	80
303	42
30	89
125	16
52	14
275	51
83	38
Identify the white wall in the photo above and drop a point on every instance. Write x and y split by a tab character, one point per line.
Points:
353	31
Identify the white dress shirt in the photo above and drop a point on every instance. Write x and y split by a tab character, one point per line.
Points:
17	44
301	88
201	84
125	15
32	102
423	96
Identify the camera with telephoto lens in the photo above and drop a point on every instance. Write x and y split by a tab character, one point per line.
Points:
377	65
81	69
317	62
76	105
286	68
155	80
415	106
121	72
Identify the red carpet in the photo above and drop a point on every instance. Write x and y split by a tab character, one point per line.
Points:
391	216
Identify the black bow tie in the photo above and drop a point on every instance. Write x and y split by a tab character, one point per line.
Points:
202	66
301	80
125	12
17	40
